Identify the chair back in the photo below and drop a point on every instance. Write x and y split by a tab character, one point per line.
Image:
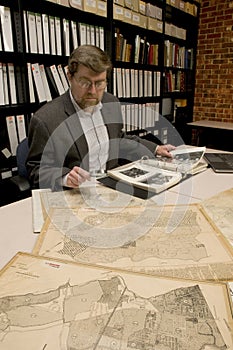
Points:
21	157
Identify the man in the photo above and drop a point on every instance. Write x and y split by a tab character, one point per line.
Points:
80	132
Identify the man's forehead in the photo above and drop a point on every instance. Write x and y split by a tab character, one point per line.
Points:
87	72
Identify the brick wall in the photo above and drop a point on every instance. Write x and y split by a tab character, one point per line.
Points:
214	69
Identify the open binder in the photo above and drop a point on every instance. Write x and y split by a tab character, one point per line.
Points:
160	173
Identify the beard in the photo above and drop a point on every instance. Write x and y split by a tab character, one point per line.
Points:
88	101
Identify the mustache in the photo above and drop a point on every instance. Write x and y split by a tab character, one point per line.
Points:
91	95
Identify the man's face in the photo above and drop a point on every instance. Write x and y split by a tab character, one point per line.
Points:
87	86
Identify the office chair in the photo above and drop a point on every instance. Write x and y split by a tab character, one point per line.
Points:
20	181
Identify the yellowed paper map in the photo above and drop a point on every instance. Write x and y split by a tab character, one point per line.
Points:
53	305
90	194
176	241
220	210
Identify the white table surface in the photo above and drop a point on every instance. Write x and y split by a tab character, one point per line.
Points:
204	185
212	124
16	232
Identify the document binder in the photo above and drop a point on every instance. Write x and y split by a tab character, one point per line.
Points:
55	79
11	73
45	83
82	33
45	27
58	36
25	22
114	82
136	83
52	35
21	127
2	100
12	134
39	33
102	44
66	70
74	34
92	34
32	32
97	36
63	77
160	173
38	82
5	15
123	82
5	84
119	83
66	36
88	37
30	83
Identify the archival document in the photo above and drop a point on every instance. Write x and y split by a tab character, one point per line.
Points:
220	210
160	173
90	194
175	241
51	304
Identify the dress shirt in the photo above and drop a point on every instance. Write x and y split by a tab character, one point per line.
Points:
96	136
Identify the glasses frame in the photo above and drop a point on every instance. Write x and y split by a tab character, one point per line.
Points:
86	84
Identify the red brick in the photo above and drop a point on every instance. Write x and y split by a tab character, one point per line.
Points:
214	74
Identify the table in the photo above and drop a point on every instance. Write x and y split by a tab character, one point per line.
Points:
16	218
212	124
204	185
213	133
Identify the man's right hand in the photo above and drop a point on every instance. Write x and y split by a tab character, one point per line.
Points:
76	177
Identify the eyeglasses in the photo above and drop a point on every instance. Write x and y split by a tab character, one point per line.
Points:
87	84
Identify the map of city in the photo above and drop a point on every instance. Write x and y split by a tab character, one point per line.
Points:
170	241
220	210
49	304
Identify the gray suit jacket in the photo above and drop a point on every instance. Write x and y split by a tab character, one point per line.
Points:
57	143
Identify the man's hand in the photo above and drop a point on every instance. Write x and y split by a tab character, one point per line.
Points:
76	177
164	150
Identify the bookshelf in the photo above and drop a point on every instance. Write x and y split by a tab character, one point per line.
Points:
152	45
162	44
42	36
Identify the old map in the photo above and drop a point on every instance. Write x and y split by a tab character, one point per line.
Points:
48	304
175	241
88	195
220	210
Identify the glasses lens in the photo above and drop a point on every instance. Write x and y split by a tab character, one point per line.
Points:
100	84
86	84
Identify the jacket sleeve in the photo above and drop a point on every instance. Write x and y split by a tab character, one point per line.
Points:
125	147
43	168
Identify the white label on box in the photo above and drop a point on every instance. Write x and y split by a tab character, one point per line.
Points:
142	7
6	174
136	18
119	11
6	152
91	3
128	14
160	25
102	5
77	2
